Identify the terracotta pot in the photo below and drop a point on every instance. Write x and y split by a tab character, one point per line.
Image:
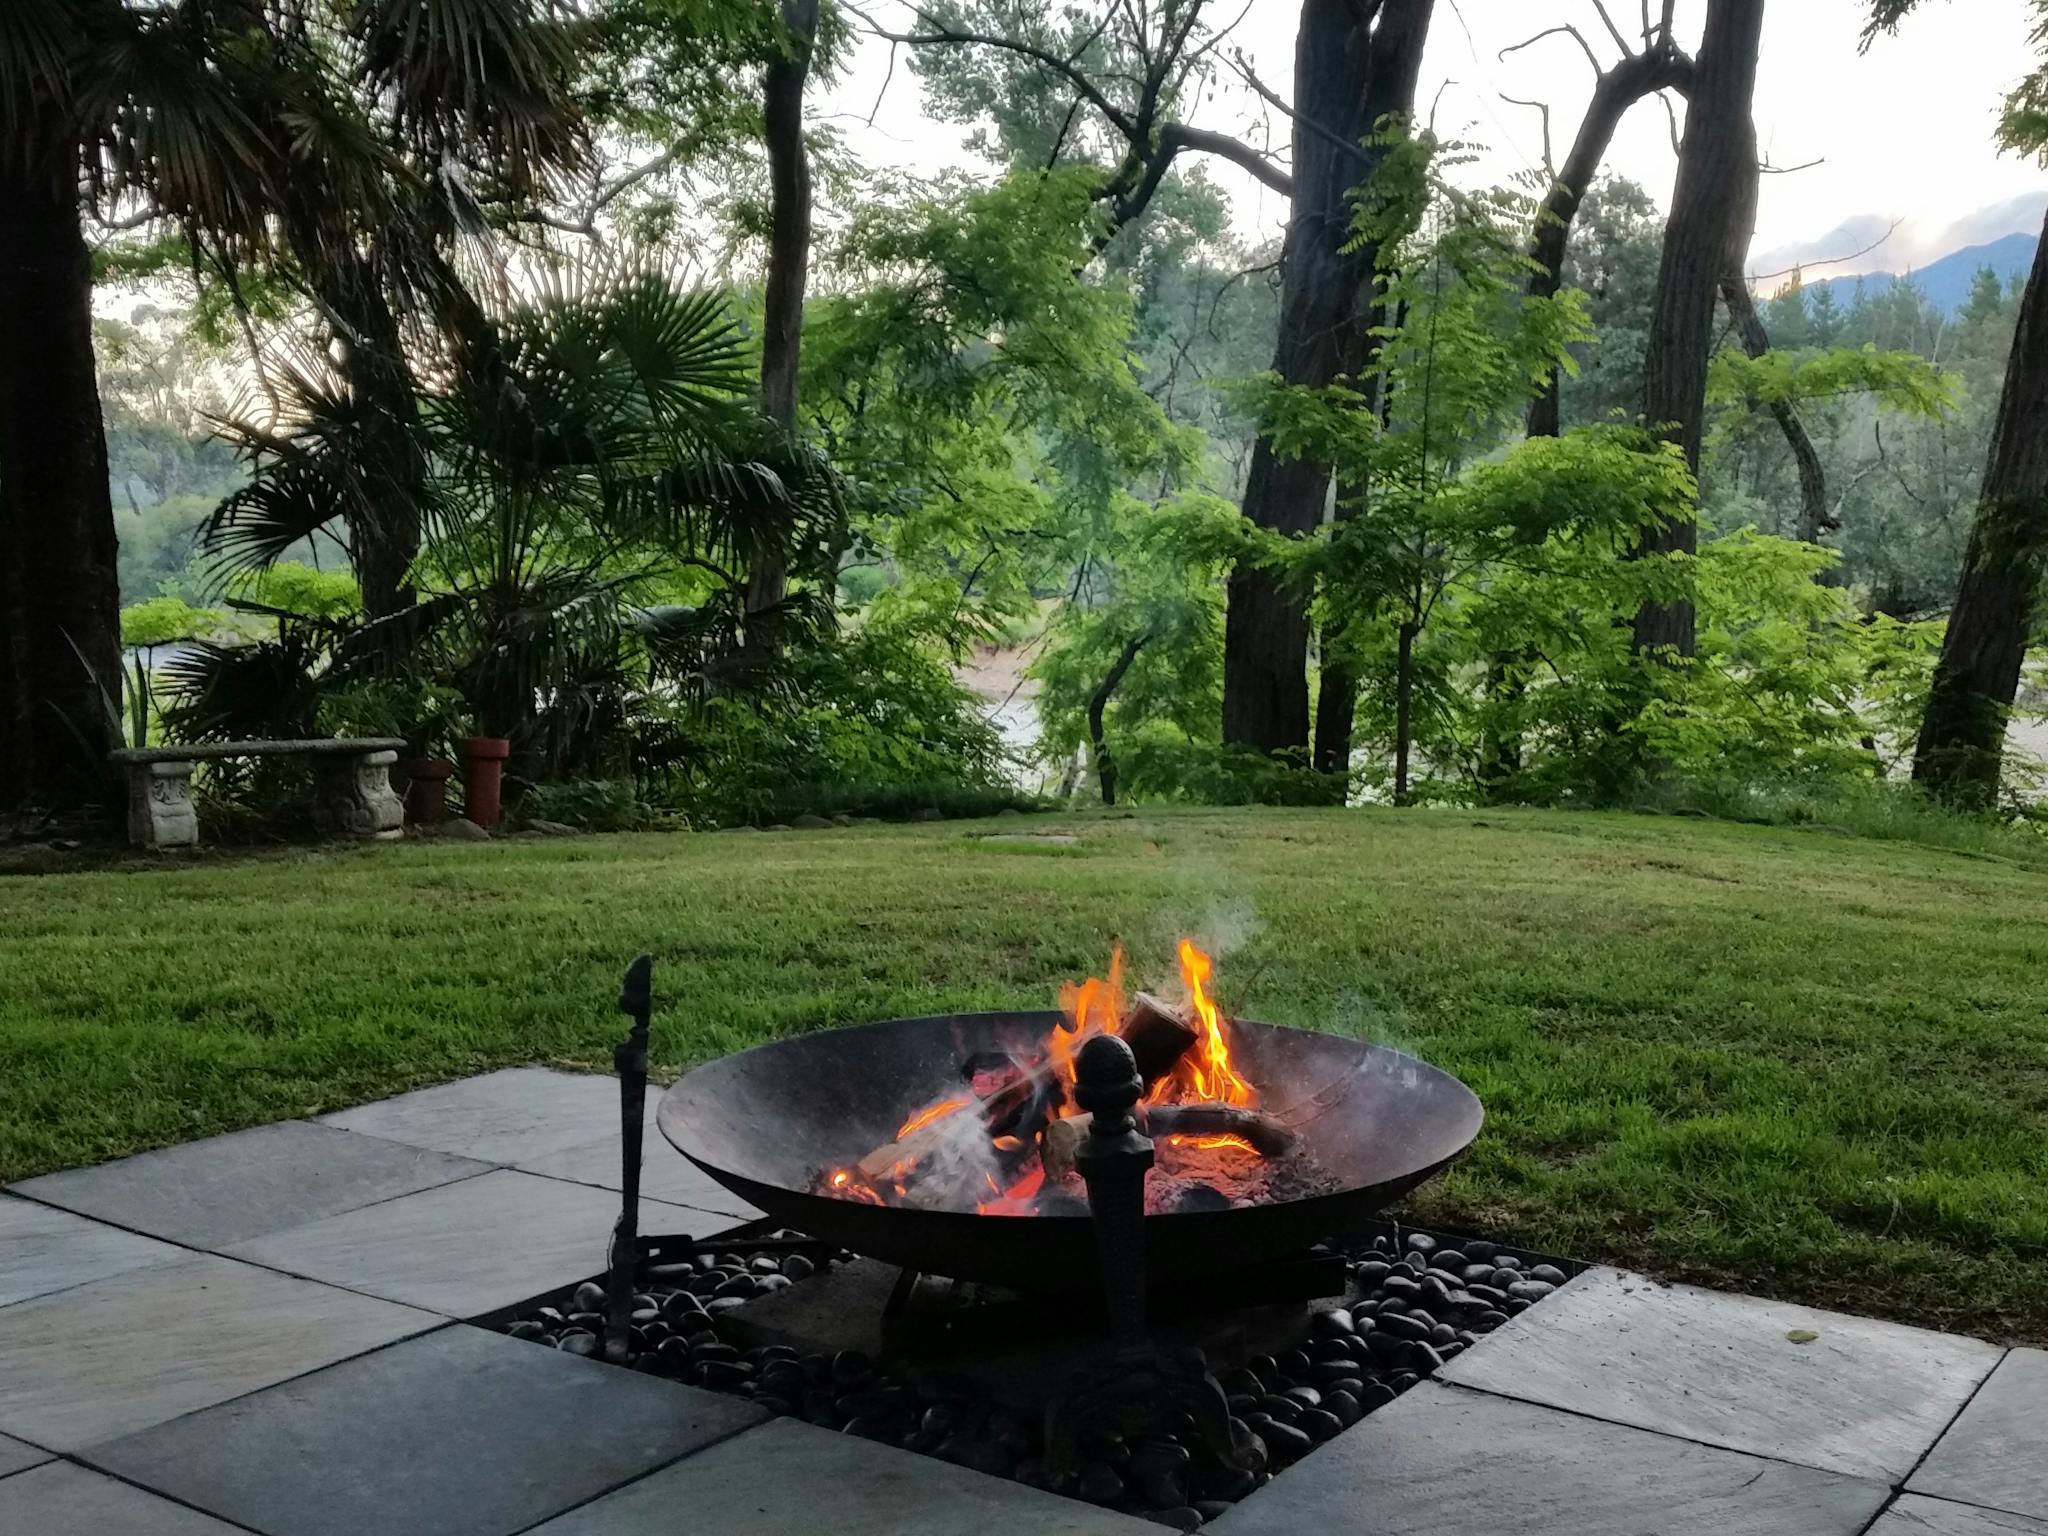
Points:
426	796
483	777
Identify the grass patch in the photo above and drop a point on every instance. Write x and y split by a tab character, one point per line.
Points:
1790	1061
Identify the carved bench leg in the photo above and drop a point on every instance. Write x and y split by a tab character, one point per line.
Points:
160	813
354	797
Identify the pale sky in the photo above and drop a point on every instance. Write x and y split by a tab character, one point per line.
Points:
1905	130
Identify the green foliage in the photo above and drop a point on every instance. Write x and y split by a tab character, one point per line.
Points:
1158	584
874	725
300	589
979	398
594	805
1899	381
595	484
165	620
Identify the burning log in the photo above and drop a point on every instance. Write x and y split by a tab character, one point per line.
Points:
1158	1036
1056	1147
1266	1135
1026	1107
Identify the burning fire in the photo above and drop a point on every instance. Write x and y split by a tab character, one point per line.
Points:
1011	1168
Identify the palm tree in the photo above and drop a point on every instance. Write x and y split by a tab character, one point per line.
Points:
352	148
593	457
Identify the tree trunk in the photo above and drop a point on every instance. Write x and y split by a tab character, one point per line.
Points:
1713	213
1105	761
1663	67
383	533
1962	735
60	602
1404	704
789	253
1814	518
1336	715
1347	75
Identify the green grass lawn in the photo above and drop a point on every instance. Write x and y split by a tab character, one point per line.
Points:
1791	1062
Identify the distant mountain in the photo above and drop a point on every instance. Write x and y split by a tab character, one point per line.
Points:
1946	282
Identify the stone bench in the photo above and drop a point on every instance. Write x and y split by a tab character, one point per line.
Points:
352	786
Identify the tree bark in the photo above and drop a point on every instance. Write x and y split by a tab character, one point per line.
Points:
1404	706
60	602
1663	67
384	531
1962	735
1105	761
789	253
1348	73
1713	213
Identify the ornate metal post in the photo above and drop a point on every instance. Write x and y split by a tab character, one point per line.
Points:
629	1060
1140	1388
1113	1162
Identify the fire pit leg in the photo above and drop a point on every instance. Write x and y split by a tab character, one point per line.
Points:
1140	1388
629	1060
1113	1162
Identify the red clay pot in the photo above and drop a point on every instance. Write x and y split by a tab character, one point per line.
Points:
426	797
483	778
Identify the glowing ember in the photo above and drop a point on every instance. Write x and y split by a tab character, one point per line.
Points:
1008	1141
1211	1143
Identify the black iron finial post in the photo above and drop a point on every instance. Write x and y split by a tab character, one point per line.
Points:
1113	1162
1138	1389
629	1060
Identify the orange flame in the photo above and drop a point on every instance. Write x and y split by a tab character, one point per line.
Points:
1204	1074
1213	1077
932	1112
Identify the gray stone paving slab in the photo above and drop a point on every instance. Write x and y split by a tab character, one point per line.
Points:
16	1456
469	1248
498	1117
42	1250
209	1193
1862	1397
1917	1516
460	1433
121	1354
665	1174
790	1479
1996	1453
1444	1461
63	1500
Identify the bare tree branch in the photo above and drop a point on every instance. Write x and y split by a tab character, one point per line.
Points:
134	220
1224	147
1567	28
1767	169
945	36
1670	116
1266	93
1829	261
1542	107
1612	30
887	75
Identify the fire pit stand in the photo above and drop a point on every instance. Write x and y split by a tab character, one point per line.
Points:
1140	1388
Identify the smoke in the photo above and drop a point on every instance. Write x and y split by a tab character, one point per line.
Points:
1227	927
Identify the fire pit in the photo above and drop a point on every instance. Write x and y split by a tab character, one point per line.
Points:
927	1142
995	1168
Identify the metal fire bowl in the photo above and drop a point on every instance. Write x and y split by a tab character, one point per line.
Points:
764	1121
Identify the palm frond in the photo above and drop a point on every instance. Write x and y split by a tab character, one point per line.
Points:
173	128
470	76
39	42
